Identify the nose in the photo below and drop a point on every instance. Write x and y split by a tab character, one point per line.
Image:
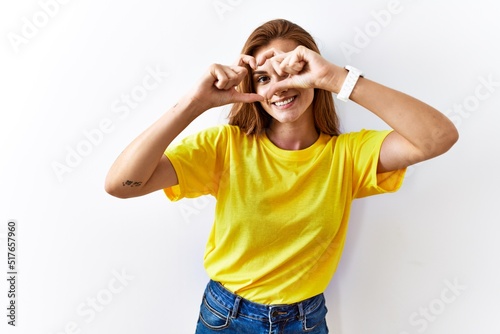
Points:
281	91
278	79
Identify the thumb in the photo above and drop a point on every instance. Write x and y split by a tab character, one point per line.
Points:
247	97
293	81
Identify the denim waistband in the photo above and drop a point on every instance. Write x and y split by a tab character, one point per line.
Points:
238	306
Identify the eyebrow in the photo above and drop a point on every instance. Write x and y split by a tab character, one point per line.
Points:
259	72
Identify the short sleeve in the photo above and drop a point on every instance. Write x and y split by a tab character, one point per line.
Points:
197	160
364	148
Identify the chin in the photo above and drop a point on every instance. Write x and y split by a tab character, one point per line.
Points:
286	118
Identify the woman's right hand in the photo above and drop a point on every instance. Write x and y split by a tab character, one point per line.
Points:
218	85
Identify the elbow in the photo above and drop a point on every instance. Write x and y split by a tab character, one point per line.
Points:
452	137
455	135
445	141
113	188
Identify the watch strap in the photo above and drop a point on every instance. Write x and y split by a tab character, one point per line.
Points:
349	83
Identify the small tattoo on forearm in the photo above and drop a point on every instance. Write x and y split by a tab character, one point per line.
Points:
129	183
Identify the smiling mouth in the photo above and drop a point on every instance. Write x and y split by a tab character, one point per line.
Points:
284	102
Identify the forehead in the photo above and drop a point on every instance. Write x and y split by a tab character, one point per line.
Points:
281	45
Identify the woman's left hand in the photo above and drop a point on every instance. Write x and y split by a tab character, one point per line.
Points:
305	69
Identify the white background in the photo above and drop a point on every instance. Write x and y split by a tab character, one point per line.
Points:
68	77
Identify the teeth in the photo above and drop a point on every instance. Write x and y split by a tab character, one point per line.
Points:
282	103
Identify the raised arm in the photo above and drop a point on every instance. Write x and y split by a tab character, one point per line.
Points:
420	131
142	167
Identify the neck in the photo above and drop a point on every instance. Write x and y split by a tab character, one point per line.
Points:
292	136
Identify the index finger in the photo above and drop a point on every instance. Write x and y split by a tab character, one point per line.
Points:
263	57
247	60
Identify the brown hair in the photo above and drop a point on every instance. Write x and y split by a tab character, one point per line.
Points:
251	117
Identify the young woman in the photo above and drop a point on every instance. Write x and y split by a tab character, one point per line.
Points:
283	176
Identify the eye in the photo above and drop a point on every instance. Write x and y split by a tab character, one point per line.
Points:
262	79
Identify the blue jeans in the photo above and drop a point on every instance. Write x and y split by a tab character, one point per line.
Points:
223	312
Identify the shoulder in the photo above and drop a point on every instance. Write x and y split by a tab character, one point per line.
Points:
221	135
363	136
362	144
221	130
211	133
235	133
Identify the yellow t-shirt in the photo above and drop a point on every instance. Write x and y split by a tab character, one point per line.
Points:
281	216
